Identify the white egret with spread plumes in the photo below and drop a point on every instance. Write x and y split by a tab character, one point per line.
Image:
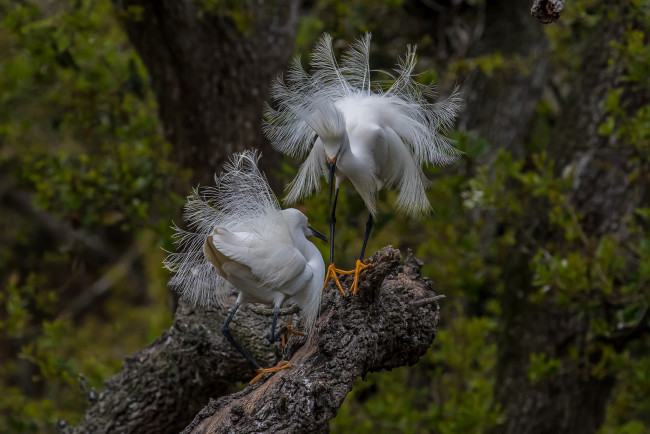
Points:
346	126
240	240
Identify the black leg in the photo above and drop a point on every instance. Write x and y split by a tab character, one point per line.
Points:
226	332
275	336
365	238
332	224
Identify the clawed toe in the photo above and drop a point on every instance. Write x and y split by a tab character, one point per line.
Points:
261	371
358	268
289	331
332	274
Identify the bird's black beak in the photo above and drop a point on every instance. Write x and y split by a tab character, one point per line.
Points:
318	234
332	163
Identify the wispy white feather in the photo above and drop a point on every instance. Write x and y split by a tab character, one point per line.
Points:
309	175
241	193
356	63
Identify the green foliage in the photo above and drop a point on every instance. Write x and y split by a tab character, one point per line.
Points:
632	54
628	412
449	391
82	142
239	12
600	278
542	367
347	20
82	153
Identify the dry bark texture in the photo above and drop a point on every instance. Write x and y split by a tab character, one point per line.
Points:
391	323
211	74
160	388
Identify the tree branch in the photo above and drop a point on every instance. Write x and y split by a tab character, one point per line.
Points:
161	387
392	323
547	11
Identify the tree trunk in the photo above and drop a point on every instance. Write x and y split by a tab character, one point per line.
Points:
603	194
501	107
160	388
211	71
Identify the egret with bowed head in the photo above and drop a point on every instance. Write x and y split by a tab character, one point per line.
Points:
346	126
240	240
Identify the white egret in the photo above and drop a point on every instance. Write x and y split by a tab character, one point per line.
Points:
340	122
241	241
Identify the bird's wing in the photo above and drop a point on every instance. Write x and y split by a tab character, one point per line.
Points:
405	102
270	258
242	191
355	63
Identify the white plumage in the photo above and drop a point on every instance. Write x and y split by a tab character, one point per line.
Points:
341	122
240	240
377	137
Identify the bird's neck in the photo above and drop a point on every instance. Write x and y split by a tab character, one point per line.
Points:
345	145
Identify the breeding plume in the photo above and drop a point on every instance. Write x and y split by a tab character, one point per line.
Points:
346	126
239	240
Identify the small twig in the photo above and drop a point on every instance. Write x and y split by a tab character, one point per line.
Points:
429	300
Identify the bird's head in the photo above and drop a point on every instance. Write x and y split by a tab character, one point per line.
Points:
298	221
328	123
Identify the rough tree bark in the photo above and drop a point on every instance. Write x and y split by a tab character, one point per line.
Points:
161	387
391	323
211	74
603	194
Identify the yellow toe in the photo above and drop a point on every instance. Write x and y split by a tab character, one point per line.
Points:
358	268
260	372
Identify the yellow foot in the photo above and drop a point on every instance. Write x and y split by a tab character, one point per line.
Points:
289	331
331	274
358	268
260	372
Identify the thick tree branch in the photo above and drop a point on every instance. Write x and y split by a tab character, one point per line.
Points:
547	11
160	388
392	323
